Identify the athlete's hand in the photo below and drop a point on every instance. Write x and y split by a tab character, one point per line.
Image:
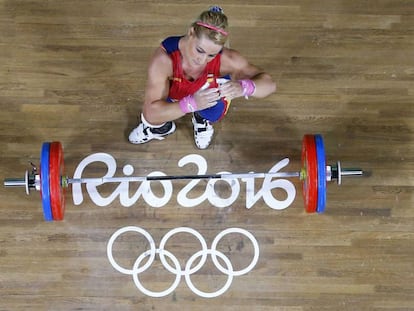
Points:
206	98
230	90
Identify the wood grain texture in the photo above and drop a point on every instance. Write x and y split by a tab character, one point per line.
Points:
75	71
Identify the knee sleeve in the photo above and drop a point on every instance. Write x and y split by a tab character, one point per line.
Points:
216	112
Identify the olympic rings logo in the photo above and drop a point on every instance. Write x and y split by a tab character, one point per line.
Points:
189	270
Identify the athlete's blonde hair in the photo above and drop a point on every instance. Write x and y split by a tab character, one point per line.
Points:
213	24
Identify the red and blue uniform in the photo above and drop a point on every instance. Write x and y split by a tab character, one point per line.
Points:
181	87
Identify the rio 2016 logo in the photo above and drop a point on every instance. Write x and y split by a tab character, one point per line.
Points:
184	197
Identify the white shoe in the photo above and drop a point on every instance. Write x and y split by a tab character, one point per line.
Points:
203	132
144	132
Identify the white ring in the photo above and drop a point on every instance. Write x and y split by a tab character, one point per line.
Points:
186	230
221	290
116	235
251	238
138	284
188	271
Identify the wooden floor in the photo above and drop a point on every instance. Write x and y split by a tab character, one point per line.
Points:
74	71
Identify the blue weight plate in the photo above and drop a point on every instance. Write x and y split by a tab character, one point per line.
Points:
44	182
320	155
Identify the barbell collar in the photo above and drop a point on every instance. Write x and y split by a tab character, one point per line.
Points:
29	181
337	172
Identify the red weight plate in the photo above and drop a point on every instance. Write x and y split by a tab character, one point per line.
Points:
56	170
310	173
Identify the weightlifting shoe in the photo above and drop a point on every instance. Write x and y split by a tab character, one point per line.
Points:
146	132
203	132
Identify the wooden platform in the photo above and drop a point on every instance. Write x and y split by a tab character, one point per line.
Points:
74	71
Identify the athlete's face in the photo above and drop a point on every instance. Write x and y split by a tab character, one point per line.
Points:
201	50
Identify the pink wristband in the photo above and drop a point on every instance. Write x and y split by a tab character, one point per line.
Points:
188	104
248	87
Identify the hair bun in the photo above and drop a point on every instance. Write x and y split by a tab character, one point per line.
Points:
216	9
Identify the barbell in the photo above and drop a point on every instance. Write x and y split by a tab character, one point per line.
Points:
52	183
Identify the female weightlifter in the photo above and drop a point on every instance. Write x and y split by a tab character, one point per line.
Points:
197	74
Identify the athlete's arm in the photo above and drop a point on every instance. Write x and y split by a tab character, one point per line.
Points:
233	63
156	109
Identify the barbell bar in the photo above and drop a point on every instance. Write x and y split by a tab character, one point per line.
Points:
52	183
